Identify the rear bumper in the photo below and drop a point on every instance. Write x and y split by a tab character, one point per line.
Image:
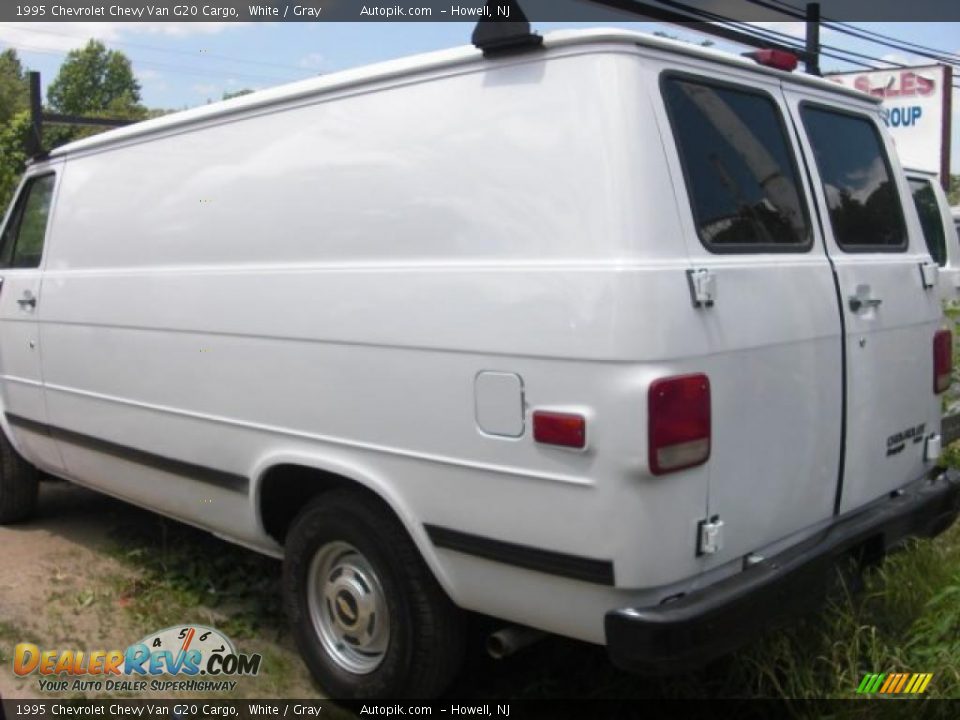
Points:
688	632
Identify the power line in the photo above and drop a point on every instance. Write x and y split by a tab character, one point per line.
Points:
873	33
825	48
155	48
217	74
853	31
783	38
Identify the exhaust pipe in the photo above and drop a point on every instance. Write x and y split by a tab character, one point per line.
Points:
509	640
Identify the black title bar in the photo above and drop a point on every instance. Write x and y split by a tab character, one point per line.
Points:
466	10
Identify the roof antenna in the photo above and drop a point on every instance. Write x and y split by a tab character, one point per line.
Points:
504	29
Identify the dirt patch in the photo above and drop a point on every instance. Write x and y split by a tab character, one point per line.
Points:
92	573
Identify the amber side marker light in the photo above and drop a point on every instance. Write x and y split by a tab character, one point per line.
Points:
564	429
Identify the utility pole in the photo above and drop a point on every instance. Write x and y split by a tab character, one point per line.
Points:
812	57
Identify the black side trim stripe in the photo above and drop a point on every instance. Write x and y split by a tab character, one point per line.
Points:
545	561
210	476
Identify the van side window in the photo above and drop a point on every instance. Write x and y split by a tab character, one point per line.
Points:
864	205
930	219
22	242
740	173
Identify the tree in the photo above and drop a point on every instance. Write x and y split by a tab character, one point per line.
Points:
701	43
954	194
14	124
93	80
14	88
13	155
227	95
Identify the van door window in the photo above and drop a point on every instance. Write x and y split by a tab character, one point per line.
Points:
22	242
930	218
864	205
740	173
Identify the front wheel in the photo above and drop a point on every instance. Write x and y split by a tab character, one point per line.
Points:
18	485
368	615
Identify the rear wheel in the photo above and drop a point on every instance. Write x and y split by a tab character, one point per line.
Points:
18	485
368	615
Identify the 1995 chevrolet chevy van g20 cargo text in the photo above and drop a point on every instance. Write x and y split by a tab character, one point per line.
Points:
618	338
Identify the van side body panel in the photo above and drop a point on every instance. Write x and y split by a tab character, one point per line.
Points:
328	280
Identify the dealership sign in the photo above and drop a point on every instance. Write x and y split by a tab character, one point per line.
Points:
916	109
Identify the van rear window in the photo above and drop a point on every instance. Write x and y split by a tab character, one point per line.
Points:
740	173
930	218
865	210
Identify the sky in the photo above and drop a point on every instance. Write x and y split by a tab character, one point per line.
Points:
181	65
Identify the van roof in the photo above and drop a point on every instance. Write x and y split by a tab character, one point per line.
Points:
425	62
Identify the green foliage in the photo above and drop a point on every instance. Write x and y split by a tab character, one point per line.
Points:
181	569
237	93
93	81
954	193
701	43
13	156
14	88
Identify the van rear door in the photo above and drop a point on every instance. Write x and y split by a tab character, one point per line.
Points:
772	334
889	308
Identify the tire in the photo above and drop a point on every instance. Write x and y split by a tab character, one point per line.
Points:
19	482
363	568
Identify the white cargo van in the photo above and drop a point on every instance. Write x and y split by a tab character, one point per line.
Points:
617	338
939	230
940	234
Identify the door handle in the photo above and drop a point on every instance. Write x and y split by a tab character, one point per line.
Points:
857	302
28	299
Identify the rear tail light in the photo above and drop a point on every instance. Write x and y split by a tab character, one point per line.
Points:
565	429
679	422
942	360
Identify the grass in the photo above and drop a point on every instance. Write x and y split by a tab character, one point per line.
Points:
182	575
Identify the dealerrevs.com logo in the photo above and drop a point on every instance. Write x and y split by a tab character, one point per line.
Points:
202	658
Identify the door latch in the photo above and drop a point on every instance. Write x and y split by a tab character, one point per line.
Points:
710	536
929	274
862	299
28	300
703	287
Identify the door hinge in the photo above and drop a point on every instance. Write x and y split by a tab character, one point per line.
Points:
710	536
929	274
703	287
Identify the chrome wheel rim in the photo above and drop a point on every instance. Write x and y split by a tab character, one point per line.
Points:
348	608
